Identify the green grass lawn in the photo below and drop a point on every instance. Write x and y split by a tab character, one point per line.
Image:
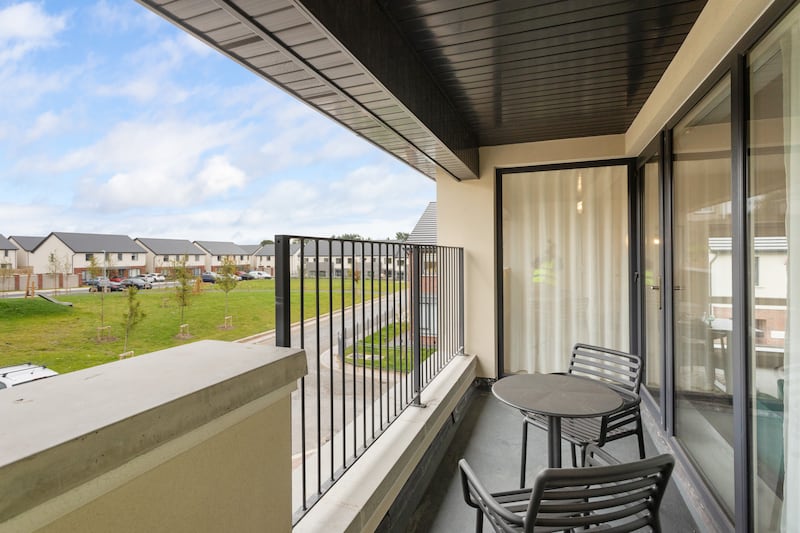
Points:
65	338
383	350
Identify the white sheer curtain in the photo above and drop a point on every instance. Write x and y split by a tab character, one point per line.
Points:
565	267
790	50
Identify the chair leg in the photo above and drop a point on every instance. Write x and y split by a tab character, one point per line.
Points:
479	521
583	456
640	436
574	460
524	456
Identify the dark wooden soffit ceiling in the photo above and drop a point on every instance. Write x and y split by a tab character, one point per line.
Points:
431	81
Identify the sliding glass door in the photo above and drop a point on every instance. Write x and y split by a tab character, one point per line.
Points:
702	289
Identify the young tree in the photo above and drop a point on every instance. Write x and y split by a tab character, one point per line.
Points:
53	268
183	286
5	274
267	241
133	314
95	269
227	279
66	268
401	236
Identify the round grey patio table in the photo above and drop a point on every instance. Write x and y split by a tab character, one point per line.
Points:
557	396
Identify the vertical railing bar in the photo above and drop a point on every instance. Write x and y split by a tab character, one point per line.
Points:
304	444
355	345
394	325
461	303
380	328
416	335
364	339
342	310
331	415
372	327
319	368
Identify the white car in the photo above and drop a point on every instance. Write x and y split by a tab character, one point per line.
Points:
258	274
12	376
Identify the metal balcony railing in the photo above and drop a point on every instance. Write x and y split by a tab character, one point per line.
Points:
378	321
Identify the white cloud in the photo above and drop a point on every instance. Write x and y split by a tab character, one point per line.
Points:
218	176
45	124
26	27
120	17
152	164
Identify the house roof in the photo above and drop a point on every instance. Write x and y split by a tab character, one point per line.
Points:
170	246
250	249
425	230
269	250
431	82
27	244
221	248
5	244
93	242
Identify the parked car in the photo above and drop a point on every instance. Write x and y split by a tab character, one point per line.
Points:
115	278
208	277
12	376
158	277
149	278
91	283
244	275
259	274
139	283
107	284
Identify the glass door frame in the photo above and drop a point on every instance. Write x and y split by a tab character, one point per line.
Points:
658	147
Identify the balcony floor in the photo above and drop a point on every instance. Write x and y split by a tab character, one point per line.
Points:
490	437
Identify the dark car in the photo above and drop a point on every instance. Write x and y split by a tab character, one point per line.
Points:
139	283
208	277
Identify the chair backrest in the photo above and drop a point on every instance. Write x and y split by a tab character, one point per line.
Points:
626	496
616	368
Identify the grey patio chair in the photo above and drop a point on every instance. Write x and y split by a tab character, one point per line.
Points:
607	495
619	370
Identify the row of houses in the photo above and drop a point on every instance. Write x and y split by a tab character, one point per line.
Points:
75	253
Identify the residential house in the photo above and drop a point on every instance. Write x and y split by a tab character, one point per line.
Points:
584	156
216	252
264	259
8	254
76	253
161	254
26	246
424	234
250	250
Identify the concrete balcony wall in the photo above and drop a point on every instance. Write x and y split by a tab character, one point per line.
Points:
194	438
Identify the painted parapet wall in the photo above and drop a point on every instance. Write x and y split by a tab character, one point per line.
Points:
193	438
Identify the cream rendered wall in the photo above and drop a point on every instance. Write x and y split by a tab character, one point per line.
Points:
235	480
39	258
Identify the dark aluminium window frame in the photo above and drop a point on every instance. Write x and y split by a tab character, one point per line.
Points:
735	65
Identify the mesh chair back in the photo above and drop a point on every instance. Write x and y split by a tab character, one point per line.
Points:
616	368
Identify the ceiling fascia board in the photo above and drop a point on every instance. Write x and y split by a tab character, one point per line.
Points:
373	42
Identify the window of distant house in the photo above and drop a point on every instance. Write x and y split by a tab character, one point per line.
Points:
269	258
5	253
338	260
134	256
166	258
389	260
219	258
119	257
197	258
89	257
